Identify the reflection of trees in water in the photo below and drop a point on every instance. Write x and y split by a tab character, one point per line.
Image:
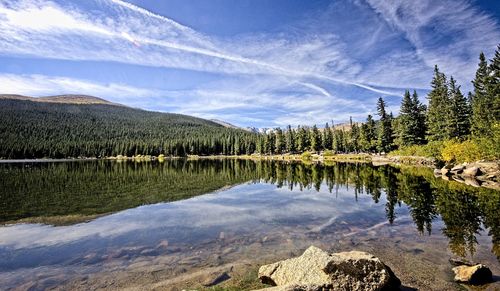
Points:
102	187
463	209
416	192
461	215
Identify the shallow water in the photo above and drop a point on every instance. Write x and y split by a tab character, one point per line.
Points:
110	220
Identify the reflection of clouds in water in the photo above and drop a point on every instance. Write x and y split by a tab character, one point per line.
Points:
236	208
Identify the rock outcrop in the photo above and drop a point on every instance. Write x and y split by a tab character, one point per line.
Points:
479	174
476	275
316	269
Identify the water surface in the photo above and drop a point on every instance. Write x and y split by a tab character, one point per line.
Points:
108	224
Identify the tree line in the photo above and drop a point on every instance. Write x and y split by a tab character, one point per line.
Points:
449	115
52	130
37	130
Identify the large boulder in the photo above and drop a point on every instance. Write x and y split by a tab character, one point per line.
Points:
476	275
316	269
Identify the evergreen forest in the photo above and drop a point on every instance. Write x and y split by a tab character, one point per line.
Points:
452	124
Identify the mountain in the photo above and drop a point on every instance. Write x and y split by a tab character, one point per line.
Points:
67	99
85	126
225	124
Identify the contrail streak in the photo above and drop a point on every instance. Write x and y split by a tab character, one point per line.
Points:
236	58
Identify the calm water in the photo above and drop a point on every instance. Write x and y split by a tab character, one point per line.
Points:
82	223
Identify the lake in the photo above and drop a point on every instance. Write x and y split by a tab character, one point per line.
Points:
116	225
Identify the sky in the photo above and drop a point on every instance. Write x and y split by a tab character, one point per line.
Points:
260	63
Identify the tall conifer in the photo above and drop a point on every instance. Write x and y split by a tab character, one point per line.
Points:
481	105
459	112
384	134
438	111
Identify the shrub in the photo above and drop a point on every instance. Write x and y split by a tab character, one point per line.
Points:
306	156
327	153
455	151
431	150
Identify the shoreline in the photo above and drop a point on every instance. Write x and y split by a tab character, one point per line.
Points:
487	173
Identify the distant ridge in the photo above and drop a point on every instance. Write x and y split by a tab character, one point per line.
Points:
66	99
226	124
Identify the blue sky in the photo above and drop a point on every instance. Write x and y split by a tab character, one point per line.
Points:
249	62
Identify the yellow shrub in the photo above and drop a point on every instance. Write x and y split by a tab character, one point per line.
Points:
467	151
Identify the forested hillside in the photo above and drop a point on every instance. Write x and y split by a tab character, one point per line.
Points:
57	130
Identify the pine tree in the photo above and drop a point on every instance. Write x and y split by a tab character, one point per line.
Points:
459	112
494	85
327	137
353	137
279	141
384	134
315	139
407	124
438	111
338	144
419	110
302	140
371	133
290	140
481	105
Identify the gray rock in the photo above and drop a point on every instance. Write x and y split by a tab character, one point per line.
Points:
294	288
445	171
457	169
471	182
316	269
475	275
472	171
489	167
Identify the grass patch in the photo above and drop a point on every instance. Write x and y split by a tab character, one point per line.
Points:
247	281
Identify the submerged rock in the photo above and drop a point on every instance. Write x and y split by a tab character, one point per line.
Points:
316	269
476	275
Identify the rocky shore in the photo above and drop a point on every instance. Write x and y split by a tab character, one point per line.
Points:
479	174
317	270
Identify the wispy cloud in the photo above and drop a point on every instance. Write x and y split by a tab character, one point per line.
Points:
41	85
319	69
448	33
172	46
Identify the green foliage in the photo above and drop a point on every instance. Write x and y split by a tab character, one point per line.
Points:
97	187
368	135
482	103
290	140
410	129
438	111
431	150
306	156
455	151
327	138
36	130
459	122
280	141
384	129
315	138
